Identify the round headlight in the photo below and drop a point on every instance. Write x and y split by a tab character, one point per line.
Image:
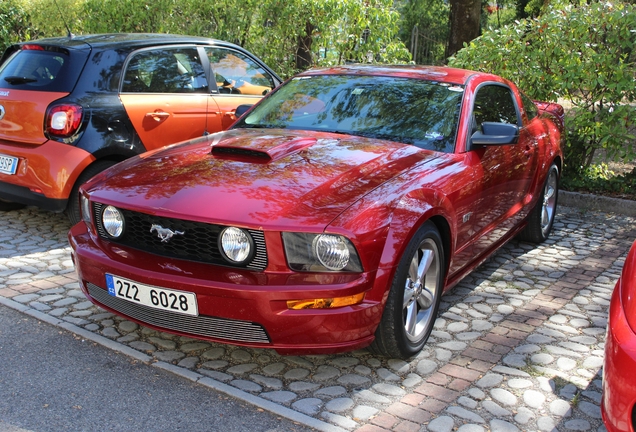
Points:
113	221
236	244
332	251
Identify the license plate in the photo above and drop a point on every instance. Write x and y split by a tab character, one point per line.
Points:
8	164
151	296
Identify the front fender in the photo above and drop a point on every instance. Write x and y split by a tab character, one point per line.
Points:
384	224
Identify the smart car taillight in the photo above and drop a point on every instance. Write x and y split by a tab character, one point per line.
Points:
63	121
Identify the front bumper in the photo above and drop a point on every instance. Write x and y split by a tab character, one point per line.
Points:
236	306
45	174
619	388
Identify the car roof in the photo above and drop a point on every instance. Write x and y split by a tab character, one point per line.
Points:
119	40
430	73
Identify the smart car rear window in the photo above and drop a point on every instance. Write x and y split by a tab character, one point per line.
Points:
40	69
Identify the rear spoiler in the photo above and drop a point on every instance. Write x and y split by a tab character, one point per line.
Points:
555	110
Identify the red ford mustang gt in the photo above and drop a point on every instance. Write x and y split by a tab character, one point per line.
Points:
330	217
618	405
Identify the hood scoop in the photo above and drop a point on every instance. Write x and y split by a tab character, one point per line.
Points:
263	149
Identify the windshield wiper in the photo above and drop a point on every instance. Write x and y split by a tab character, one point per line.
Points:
14	80
259	126
376	135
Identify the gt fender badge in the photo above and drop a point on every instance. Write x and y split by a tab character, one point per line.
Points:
4	93
165	234
2	112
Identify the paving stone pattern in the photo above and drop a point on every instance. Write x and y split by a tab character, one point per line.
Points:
518	345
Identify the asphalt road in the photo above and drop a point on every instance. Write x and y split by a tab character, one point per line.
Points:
52	380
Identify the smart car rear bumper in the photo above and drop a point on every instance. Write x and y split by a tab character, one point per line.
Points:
45	173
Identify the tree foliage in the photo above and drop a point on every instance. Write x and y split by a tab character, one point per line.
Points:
15	23
580	56
429	18
288	34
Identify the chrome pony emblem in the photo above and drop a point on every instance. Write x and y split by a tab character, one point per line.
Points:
2	112
165	234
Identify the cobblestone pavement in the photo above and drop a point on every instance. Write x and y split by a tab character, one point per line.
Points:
518	345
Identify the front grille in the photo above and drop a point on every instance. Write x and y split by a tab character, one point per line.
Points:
217	328
199	241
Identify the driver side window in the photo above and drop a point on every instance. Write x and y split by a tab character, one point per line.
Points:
494	103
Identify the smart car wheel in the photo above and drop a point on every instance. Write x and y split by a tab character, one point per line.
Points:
73	207
541	218
413	302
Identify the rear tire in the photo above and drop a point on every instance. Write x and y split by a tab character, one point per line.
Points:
73	211
541	217
411	308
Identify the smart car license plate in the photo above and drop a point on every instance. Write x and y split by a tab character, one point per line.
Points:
8	164
151	296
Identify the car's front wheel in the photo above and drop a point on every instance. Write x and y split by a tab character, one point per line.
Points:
541	217
413	302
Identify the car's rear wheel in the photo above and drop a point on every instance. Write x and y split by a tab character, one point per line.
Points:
413	302
73	211
8	206
541	217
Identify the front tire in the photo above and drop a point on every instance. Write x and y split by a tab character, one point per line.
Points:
411	308
541	217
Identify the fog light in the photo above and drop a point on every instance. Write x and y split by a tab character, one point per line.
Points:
113	221
236	244
325	303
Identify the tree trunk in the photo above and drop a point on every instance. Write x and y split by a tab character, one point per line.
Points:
464	23
303	50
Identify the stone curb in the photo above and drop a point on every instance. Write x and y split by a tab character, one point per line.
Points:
177	370
586	201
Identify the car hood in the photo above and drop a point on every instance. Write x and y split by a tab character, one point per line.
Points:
257	178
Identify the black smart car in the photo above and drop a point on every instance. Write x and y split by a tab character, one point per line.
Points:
72	107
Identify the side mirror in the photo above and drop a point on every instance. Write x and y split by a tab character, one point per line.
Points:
242	109
493	133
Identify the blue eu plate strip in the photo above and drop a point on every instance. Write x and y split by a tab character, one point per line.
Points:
110	285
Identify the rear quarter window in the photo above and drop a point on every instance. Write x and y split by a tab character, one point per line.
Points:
40	70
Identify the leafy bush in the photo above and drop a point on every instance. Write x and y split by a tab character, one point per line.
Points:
15	23
582	57
599	179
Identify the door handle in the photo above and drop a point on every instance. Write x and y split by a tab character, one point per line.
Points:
158	116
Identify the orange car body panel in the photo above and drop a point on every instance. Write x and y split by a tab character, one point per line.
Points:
163	119
160	119
30	108
49	169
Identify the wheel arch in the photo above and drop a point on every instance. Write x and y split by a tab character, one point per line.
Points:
444	229
413	211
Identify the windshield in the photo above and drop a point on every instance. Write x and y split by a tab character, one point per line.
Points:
412	111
